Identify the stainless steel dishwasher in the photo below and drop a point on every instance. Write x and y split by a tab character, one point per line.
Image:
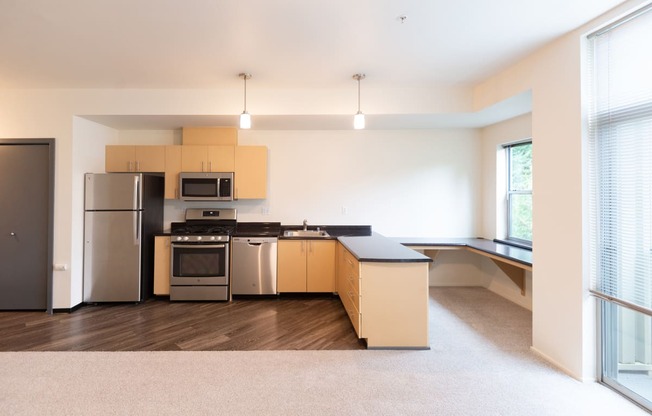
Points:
253	267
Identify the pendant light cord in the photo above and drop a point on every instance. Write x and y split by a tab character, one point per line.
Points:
358	94
245	93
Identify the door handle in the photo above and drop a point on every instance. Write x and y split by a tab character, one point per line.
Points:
136	227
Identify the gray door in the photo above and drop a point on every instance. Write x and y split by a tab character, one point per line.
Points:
24	228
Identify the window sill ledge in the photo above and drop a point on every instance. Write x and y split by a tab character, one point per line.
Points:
514	244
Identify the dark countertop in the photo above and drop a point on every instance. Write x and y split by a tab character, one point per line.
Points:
335	231
517	254
378	248
257	229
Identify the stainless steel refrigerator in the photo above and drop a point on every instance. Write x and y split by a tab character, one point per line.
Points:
122	213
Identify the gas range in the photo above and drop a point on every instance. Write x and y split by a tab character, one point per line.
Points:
200	252
205	226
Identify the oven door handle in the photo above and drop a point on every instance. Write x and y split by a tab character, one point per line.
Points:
198	246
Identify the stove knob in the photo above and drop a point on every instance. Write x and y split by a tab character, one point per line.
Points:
186	238
179	238
212	238
199	238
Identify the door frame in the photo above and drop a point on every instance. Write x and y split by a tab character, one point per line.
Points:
50	143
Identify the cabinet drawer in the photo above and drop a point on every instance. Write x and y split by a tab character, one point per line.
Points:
354	316
351	311
352	271
353	294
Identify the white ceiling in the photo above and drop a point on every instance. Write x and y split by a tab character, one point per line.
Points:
188	44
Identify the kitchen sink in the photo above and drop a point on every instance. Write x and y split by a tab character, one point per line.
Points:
305	233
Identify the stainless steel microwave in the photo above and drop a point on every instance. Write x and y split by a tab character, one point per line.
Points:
206	186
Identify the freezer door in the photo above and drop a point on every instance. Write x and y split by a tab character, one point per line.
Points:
113	191
112	256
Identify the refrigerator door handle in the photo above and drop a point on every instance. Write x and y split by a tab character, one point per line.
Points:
137	227
137	192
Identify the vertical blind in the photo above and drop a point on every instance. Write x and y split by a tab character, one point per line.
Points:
620	160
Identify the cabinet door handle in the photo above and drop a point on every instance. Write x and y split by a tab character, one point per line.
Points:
210	166
129	167
137	166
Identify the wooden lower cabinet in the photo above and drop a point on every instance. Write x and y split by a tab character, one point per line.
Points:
162	265
386	302
306	266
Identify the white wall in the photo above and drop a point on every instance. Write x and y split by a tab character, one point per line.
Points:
402	183
87	156
493	138
563	313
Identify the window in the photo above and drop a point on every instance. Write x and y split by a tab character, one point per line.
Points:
620	200
519	192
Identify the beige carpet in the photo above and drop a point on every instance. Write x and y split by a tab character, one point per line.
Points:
479	364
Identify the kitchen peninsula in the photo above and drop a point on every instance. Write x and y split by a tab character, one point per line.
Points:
383	286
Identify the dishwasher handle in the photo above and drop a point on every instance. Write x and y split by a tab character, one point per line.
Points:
254	241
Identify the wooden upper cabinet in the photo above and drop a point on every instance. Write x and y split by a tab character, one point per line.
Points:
209	136
194	159
172	169
249	164
120	158
250	172
207	159
221	158
150	158
135	158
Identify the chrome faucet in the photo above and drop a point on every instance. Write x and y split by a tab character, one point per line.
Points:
305	225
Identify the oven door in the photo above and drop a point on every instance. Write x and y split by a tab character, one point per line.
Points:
199	264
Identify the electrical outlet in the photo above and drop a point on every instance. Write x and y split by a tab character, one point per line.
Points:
344	210
60	267
264	210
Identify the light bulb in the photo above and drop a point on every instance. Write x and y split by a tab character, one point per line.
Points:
358	121
245	120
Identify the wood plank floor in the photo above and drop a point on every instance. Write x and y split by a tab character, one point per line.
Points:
285	323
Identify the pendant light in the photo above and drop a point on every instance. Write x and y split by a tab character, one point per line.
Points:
358	118
245	118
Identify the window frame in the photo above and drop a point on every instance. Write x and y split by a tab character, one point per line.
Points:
509	193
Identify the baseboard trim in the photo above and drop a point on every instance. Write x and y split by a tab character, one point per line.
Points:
562	368
68	310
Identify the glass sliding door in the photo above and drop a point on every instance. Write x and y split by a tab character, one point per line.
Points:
620	200
627	351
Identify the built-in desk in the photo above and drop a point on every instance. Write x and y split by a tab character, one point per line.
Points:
513	261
